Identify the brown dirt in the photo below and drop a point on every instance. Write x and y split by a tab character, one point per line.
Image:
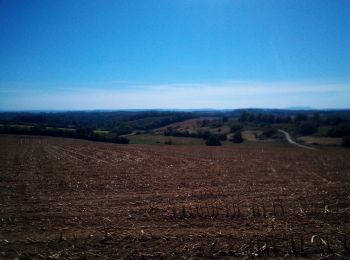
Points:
191	125
75	199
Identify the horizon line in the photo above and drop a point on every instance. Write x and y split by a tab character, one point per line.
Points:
297	108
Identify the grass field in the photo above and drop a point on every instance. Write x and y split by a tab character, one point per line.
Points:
320	140
76	199
250	135
161	139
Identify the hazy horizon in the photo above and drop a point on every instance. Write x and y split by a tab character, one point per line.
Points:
112	55
172	109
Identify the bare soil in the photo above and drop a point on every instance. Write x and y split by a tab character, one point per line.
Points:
75	199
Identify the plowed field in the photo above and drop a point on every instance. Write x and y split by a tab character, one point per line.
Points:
75	199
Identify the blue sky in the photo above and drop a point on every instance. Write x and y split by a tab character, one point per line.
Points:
174	54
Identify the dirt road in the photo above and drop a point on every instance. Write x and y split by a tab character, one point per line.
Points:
290	140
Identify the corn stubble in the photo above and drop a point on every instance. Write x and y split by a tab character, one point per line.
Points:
75	199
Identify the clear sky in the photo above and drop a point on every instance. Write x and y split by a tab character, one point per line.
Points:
100	54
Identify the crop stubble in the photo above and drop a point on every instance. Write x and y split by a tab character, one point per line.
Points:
66	198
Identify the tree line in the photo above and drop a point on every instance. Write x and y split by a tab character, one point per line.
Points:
109	121
80	133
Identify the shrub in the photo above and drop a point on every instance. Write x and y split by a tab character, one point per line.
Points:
223	137
237	137
123	129
205	123
307	128
120	140
169	142
236	127
243	117
340	130
216	123
346	141
213	140
268	133
84	132
204	134
300	117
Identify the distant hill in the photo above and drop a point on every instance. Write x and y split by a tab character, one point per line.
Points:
300	108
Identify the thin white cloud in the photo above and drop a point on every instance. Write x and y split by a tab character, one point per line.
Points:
235	94
251	88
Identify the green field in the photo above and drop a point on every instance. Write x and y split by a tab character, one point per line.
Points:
320	140
161	139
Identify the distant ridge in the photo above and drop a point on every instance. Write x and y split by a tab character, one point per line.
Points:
300	108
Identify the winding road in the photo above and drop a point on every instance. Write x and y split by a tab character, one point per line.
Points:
290	140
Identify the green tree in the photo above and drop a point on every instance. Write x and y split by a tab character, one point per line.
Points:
316	116
340	130
346	141
224	119
237	137
251	118
123	129
235	128
84	132
244	116
307	128
300	117
213	140
169	142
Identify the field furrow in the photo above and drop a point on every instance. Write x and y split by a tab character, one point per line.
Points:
65	198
